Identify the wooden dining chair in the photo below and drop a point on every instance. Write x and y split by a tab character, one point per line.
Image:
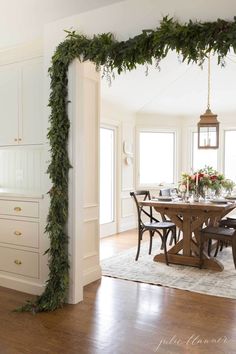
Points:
162	228
166	192
227	223
222	234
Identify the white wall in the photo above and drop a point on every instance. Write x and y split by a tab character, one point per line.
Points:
124	121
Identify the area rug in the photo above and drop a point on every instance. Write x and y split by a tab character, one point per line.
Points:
144	270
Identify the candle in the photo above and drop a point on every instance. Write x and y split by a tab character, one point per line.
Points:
197	179
187	186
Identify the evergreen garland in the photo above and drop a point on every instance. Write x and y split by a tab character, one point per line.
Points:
192	42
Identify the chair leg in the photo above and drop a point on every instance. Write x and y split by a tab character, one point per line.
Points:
221	246
209	247
234	250
217	248
164	245
150	243
140	234
171	239
173	236
201	252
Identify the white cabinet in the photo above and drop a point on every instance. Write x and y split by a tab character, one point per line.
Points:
31	116
21	103
22	245
9	98
19	208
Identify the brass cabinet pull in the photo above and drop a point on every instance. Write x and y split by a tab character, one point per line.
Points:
15	139
17	233
17	209
17	261
20	139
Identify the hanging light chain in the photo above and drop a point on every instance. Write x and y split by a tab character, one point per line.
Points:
209	82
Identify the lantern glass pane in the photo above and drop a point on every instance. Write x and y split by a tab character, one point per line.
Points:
208	136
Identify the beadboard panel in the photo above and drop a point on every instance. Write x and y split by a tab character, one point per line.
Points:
21	168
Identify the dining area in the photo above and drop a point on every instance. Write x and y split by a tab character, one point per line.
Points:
191	220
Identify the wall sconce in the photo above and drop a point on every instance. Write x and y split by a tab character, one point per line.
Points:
128	152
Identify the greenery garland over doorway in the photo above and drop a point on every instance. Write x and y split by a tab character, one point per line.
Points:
192	42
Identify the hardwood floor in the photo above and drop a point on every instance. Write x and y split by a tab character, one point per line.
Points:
121	317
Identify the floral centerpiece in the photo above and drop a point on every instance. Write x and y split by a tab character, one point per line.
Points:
203	180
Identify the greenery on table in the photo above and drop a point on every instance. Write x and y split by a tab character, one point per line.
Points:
192	41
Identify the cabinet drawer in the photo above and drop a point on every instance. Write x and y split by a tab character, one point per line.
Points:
19	208
23	233
19	262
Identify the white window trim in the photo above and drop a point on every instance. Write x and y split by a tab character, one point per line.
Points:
137	167
225	129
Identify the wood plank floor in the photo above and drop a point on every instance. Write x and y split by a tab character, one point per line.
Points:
121	317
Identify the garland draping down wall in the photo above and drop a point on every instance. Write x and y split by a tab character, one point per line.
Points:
192	41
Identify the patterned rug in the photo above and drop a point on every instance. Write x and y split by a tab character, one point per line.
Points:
203	281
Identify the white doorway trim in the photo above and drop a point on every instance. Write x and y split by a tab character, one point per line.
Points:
83	220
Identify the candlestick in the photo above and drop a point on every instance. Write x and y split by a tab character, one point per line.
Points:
187	187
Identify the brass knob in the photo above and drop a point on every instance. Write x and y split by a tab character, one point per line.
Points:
15	139
17	233
20	139
17	261
17	209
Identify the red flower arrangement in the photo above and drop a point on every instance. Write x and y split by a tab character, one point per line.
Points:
204	179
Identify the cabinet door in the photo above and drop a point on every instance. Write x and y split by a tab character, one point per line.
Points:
9	81
31	114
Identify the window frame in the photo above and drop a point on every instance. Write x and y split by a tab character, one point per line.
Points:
225	129
175	154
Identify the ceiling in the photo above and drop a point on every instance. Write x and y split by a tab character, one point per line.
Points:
178	89
23	20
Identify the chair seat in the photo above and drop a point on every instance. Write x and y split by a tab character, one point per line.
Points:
221	234
229	222
219	231
159	225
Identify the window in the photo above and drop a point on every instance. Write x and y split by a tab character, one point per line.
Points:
202	157
230	154
156	157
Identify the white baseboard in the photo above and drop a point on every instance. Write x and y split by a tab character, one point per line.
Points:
21	285
92	274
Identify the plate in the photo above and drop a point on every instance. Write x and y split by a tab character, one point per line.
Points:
218	201
231	197
164	199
